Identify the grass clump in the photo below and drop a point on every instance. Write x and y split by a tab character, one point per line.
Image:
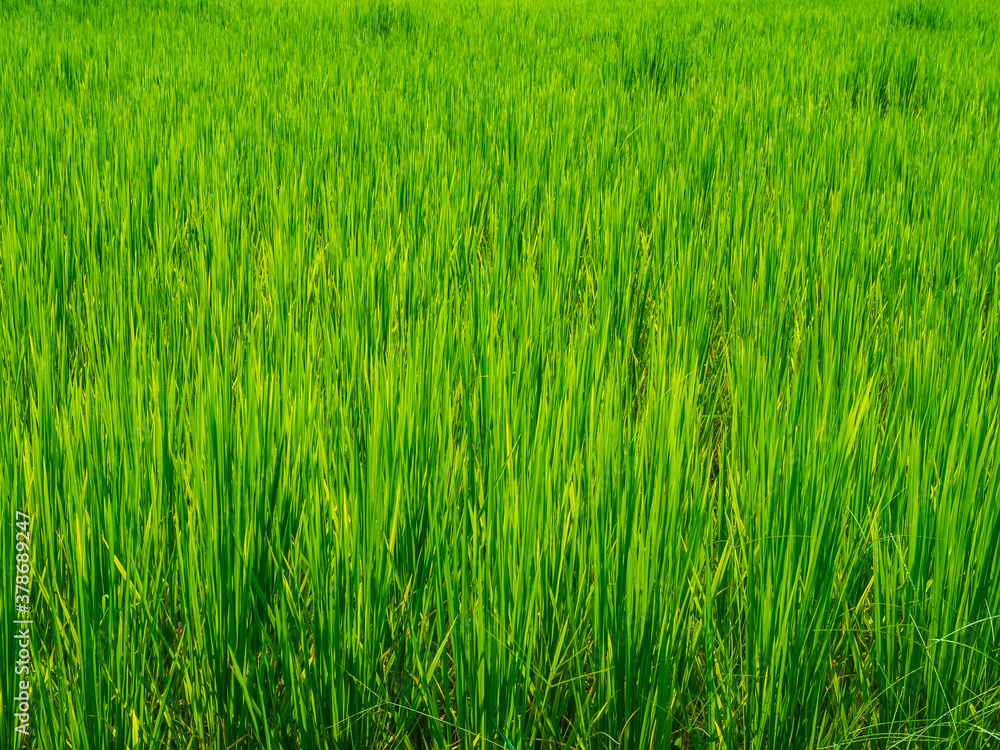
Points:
657	64
385	19
919	15
888	76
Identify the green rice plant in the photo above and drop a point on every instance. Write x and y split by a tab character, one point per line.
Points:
919	15
656	64
510	375
384	19
889	75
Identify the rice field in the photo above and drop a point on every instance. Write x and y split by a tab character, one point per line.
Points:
581	374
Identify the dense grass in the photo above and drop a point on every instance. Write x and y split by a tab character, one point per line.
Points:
523	375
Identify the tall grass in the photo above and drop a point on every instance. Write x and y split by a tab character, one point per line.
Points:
569	374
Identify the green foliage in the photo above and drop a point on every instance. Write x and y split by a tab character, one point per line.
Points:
385	19
580	374
657	64
888	75
919	15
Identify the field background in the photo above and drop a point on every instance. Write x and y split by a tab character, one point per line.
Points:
502	374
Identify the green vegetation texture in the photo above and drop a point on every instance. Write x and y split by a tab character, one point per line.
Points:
499	374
